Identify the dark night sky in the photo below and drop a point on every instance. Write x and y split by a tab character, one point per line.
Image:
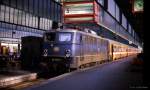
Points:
135	19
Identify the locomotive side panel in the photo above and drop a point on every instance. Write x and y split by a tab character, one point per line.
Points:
92	50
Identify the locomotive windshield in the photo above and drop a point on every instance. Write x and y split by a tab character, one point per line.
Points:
64	37
60	37
51	36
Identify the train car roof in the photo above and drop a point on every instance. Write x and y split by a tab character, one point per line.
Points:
86	33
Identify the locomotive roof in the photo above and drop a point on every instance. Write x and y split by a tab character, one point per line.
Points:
75	31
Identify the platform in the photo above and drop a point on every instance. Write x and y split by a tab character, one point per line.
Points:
117	75
8	78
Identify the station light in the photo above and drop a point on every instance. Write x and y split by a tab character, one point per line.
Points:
9	44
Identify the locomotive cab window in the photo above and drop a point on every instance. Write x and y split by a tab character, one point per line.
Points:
51	36
64	37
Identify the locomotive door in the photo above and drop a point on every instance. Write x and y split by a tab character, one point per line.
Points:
81	48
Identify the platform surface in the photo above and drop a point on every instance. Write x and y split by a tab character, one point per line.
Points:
117	75
11	77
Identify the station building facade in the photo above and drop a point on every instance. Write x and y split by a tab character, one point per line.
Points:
20	18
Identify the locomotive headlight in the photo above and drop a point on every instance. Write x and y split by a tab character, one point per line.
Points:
56	49
45	52
68	53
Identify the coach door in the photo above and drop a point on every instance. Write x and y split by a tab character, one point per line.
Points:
111	49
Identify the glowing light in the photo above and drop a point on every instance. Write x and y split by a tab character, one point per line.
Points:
130	42
79	19
138	5
79	9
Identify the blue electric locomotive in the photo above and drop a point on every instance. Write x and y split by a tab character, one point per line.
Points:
73	49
